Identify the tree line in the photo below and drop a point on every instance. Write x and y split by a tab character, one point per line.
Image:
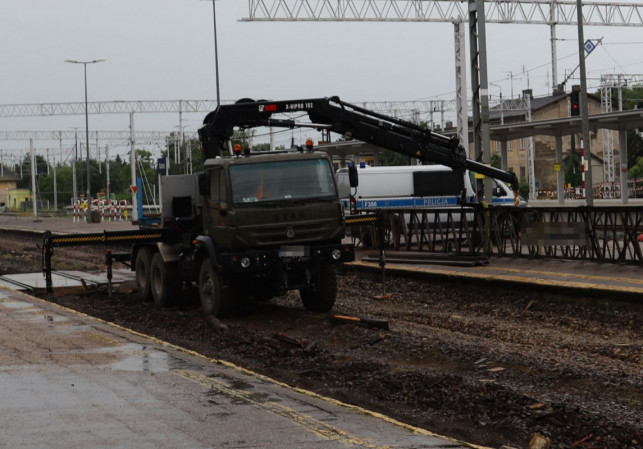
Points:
120	177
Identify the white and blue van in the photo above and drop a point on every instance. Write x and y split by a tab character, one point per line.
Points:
415	186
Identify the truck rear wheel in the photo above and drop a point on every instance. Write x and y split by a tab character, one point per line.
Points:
321	298
142	269
165	282
216	300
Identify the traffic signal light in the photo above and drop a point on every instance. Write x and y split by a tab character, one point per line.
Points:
574	98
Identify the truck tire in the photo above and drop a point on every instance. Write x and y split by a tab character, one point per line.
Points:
165	282
322	298
142	269
215	299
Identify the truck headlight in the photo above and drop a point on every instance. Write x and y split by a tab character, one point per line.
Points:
245	262
336	254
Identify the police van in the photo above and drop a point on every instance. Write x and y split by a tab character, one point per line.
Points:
415	186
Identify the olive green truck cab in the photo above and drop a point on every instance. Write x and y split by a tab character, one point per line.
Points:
270	223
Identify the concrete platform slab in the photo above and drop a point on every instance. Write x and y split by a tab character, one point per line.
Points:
72	381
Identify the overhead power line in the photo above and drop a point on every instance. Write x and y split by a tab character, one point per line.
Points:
107	107
547	12
142	137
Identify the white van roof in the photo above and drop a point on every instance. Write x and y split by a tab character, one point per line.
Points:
404	168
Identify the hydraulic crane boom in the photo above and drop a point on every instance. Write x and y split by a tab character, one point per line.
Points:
351	121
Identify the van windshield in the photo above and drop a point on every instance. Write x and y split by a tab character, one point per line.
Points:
280	181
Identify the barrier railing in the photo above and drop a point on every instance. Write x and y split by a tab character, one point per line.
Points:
100	211
601	234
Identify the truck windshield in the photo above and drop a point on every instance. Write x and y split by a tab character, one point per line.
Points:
282	181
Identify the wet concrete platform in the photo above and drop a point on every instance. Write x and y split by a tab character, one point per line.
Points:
72	381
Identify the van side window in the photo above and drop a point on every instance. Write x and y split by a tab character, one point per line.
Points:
437	183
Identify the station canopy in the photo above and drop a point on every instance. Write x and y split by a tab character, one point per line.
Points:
618	121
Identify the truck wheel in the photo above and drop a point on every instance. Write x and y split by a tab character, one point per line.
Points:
165	282
215	299
322	298
142	269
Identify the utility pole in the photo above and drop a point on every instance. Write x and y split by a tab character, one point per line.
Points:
461	85
132	159
480	90
107	169
55	188
586	138
34	199
84	63
73	167
216	50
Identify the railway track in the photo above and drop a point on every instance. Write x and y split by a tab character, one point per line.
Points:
486	365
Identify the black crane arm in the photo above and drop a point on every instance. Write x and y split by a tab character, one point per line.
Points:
349	120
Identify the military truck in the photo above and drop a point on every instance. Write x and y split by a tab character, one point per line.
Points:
260	224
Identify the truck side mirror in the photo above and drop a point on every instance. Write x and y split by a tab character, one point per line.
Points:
204	184
353	178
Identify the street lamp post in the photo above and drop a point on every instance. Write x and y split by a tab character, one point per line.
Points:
216	50
84	63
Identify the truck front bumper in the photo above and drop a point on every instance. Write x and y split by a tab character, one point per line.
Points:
267	260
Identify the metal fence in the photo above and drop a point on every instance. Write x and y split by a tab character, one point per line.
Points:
601	234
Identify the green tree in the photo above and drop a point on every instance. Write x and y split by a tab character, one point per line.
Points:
524	187
196	155
120	179
388	157
632	99
64	186
41	169
496	160
636	170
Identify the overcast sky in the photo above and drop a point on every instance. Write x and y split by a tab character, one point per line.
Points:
164	50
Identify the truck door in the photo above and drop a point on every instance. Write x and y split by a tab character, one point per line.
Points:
215	201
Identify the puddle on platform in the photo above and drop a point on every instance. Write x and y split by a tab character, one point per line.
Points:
240	385
146	359
13	304
33	312
52	318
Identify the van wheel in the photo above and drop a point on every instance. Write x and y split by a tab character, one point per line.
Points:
142	268
165	282
321	298
216	300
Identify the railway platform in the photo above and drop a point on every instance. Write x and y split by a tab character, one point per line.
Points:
576	279
71	381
